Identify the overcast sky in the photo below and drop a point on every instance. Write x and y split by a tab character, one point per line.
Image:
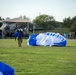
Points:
59	9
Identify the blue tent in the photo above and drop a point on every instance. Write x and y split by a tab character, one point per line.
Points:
6	69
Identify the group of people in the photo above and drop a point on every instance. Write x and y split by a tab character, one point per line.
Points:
69	35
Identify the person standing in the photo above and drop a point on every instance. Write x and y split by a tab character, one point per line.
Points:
19	35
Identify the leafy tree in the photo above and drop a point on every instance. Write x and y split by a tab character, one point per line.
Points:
67	22
27	18
45	21
59	24
73	29
70	23
73	19
1	18
7	18
24	17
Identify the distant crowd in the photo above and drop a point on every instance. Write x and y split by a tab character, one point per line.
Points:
69	35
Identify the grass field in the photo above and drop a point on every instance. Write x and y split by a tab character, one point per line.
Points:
56	30
39	60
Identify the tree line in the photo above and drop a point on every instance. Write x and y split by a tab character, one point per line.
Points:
48	22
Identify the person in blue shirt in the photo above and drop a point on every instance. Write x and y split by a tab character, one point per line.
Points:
19	35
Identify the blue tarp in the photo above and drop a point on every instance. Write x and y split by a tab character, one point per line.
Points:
47	39
6	69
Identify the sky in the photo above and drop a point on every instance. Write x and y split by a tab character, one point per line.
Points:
59	9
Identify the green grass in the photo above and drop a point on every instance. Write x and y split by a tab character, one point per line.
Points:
39	60
56	30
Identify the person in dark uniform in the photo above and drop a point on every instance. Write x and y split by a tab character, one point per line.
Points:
19	35
20	38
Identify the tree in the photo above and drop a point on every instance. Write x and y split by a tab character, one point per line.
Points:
73	19
24	17
1	18
45	21
7	18
67	22
70	23
27	18
73	29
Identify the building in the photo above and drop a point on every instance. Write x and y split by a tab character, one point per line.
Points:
9	26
